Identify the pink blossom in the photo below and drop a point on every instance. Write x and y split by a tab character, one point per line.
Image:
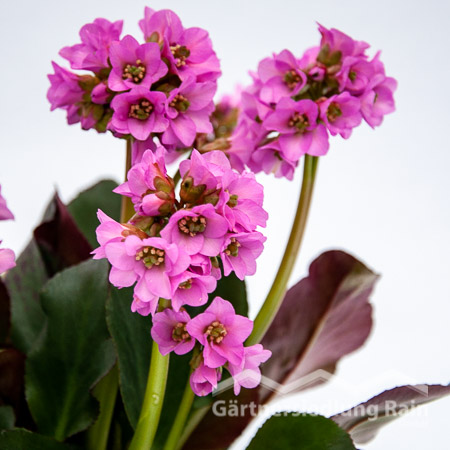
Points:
139	113
337	41
242	198
146	306
7	259
65	90
222	333
240	253
197	230
190	288
378	100
270	159
241	144
189	51
169	332
299	131
100	94
138	149
5	213
248	374
148	186
281	76
134	64
150	261
92	53
341	113
204	379
188	109
355	74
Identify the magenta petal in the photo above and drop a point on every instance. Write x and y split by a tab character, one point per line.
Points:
212	358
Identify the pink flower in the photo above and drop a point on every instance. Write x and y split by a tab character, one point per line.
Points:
197	230
248	374
111	231
222	333
134	64
336	41
341	113
100	94
139	113
138	149
281	76
242	199
355	74
188	109
270	159
65	90
150	261
92	53
7	259
148	186
145	307
190	288
189	51
169	332
5	213
378	100
240	253
299	132
204	379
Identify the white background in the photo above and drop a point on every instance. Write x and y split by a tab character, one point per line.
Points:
382	195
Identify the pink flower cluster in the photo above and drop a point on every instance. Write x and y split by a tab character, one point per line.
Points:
293	105
7	257
161	88
170	249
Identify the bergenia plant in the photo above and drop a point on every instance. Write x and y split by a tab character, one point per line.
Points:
125	319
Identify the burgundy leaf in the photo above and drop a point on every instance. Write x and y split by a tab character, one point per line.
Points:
364	421
323	318
61	242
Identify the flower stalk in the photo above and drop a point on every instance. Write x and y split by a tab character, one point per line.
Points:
153	398
275	296
173	440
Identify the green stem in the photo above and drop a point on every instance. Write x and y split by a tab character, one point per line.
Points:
127	209
105	392
173	440
276	294
153	401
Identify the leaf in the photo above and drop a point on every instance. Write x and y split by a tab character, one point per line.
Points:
7	417
84	208
12	378
322	318
364	421
305	431
24	283
60	241
5	313
233	289
23	439
131	336
73	353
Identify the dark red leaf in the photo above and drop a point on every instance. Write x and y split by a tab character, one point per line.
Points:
364	421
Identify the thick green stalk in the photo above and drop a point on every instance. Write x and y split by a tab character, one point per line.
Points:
127	209
153	401
276	294
173	440
105	392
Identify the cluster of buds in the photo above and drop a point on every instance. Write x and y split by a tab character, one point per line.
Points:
7	257
293	105
172	248
162	88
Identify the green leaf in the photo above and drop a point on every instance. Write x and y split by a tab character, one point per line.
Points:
24	439
84	208
7	417
306	432
131	335
73	353
24	283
